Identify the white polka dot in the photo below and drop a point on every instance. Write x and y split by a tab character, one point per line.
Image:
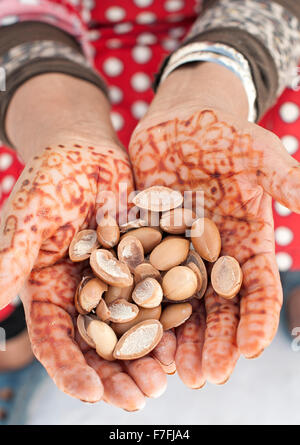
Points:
291	143
145	18
289	112
86	15
90	4
282	210
114	43
5	161
113	66
283	236
115	94
176	33
8	183
117	120
9	20
94	35
143	3
284	261
115	13
141	54
170	44
139	109
146	38
140	82
122	28
173	5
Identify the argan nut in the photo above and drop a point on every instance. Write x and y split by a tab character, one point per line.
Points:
134	224
145	270
131	252
81	325
197	273
143	314
148	236
108	232
206	239
179	283
226	277
169	253
82	245
104	338
122	312
80	286
151	218
175	314
176	221
194	257
102	311
158	199
114	293
148	293
139	340
109	269
91	293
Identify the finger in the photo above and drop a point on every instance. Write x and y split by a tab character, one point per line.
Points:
120	390
52	338
190	340
165	352
48	302
277	172
115	184
148	375
21	235
220	352
19	248
260	304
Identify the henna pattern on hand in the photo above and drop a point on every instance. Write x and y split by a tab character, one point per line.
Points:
59	193
233	168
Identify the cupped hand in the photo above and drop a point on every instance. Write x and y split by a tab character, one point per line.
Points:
59	193
239	166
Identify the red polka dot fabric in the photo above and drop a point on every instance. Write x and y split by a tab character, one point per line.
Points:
129	39
284	120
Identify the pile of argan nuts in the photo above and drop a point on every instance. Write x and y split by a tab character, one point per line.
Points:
125	300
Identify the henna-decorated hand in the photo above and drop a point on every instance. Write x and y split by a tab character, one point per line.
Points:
58	194
239	166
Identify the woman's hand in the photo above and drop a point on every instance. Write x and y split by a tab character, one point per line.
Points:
195	136
61	189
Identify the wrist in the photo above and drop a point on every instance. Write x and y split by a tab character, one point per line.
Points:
199	86
56	108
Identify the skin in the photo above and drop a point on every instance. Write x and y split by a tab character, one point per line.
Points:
72	159
195	138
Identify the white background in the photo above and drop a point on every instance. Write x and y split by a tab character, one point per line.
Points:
261	391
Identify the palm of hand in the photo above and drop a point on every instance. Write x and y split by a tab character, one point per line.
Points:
59	193
234	168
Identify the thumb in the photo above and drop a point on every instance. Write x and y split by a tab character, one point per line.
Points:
278	173
20	240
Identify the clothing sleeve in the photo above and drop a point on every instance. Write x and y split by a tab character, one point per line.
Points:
38	37
265	32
